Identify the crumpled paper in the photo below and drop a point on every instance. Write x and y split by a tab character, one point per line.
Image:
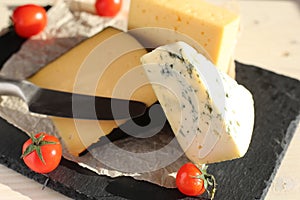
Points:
155	159
64	30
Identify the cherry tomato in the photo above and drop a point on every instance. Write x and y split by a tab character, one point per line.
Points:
187	181
108	8
192	180
29	20
42	153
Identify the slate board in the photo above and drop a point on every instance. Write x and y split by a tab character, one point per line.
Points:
277	105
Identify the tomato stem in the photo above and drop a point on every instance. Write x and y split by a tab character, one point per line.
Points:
212	182
209	180
37	142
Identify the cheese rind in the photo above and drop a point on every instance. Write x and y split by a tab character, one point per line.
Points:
213	27
98	66
211	115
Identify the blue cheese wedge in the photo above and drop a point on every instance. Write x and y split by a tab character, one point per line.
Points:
211	115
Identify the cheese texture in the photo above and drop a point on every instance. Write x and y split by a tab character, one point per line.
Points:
211	115
213	27
104	65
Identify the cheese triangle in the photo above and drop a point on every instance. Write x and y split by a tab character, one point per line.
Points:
107	64
211	115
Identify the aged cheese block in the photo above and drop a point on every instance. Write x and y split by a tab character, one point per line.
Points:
213	27
211	115
107	64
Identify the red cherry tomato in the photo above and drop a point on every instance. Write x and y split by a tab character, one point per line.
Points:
192	180
108	8
188	181
29	20
42	153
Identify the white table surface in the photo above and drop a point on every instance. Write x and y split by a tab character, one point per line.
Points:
270	38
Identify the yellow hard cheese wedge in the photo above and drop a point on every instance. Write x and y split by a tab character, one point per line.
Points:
213	27
104	65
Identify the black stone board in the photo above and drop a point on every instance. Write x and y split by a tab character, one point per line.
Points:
277	106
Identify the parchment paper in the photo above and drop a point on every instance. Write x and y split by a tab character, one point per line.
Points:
155	159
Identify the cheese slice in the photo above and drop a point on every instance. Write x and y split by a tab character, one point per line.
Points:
211	115
213	27
108	65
